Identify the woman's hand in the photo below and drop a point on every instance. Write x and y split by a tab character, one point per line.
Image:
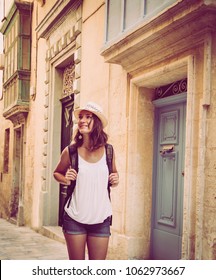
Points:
70	175
114	179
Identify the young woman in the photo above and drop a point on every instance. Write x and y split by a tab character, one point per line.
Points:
88	213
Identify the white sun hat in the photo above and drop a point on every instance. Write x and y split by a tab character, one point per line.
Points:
95	109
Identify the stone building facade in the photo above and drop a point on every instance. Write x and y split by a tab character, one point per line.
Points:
150	65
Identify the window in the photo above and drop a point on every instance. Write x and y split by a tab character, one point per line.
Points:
121	15
6	151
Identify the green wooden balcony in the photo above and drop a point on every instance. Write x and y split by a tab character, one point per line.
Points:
16	29
16	95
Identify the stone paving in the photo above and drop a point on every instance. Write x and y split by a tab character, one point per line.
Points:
23	243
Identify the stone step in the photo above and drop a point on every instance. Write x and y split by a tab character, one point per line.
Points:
53	232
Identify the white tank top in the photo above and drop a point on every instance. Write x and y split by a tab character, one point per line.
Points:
90	203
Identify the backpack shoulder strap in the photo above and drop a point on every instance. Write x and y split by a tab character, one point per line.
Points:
73	153
109	157
73	156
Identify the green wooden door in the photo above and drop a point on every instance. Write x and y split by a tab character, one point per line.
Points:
168	178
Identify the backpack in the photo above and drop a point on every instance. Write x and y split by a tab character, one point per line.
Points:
74	165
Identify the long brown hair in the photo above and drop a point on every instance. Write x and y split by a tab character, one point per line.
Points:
98	137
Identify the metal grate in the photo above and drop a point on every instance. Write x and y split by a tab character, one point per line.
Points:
68	80
171	89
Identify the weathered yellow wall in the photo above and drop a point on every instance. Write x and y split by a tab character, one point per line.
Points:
43	10
209	209
5	178
94	72
38	134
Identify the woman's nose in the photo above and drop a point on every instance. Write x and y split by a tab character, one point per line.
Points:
83	119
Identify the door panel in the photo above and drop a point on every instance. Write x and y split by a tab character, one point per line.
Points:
168	182
17	175
167	190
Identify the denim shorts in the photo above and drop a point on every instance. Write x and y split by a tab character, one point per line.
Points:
71	226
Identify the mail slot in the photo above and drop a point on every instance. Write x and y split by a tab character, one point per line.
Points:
167	149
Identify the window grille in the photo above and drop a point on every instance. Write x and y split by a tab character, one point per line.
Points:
68	80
